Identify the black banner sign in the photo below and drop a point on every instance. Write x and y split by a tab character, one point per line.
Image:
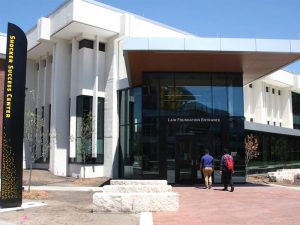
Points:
13	118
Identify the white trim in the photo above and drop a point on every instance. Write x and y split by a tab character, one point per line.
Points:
271	129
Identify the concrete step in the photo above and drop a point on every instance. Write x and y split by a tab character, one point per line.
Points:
135	202
136	188
138	182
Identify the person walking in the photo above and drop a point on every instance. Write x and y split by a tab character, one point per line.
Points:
226	170
207	167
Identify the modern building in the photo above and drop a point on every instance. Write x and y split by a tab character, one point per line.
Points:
273	115
155	96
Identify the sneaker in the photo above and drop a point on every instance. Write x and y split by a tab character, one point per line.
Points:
224	189
232	189
209	187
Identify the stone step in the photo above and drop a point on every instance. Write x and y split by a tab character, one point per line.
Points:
138	182
136	188
135	202
285	175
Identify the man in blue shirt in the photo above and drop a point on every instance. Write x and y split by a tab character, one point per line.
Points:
207	167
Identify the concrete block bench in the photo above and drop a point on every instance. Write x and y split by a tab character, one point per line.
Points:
136	202
136	188
136	196
285	175
138	182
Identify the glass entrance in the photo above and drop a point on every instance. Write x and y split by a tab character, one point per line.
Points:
189	146
173	117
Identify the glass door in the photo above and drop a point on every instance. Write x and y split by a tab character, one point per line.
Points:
186	162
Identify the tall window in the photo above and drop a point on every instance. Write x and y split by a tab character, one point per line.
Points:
130	132
100	131
296	110
84	130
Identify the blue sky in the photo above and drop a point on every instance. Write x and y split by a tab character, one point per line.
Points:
276	19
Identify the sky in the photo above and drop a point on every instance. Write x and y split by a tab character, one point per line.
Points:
271	19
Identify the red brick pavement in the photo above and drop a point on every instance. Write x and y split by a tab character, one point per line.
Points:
247	205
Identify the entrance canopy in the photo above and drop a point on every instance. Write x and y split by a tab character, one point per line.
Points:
254	58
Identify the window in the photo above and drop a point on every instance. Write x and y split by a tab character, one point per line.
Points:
250	85
274	123
279	92
273	91
251	119
100	131
84	131
296	109
86	44
101	47
280	124
267	89
268	122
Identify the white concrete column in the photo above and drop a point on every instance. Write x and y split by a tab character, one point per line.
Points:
52	125
111	122
47	77
60	92
287	113
39	74
95	97
38	101
73	92
258	102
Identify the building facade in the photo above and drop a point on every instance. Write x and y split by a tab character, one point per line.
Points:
153	96
272	115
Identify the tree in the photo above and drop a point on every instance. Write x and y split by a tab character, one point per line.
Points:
34	139
251	149
84	141
33	123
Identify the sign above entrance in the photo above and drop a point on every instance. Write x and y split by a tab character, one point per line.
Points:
193	120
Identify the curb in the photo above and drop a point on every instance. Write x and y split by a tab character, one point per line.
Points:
60	188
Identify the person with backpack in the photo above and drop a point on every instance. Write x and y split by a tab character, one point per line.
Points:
226	170
207	167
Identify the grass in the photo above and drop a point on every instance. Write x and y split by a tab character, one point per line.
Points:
35	195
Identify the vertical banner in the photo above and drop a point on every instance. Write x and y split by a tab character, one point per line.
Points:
13	118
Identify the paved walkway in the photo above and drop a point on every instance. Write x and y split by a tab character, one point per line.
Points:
247	205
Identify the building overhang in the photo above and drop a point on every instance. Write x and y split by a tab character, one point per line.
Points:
75	30
254	58
258	127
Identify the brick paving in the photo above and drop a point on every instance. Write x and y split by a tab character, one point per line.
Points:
247	205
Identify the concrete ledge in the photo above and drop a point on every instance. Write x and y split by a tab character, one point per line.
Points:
285	175
138	182
136	202
136	188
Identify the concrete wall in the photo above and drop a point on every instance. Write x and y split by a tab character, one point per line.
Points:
263	106
97	15
111	121
60	92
